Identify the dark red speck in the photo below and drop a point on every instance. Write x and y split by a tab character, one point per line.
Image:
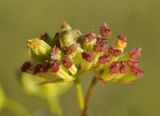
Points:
114	51
46	66
70	49
137	72
100	47
123	68
118	67
135	53
67	62
44	36
105	59
90	36
122	37
38	69
55	66
133	63
88	56
105	30
25	66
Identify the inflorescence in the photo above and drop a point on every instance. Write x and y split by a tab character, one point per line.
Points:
71	53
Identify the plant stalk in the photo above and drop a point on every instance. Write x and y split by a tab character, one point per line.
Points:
80	95
88	95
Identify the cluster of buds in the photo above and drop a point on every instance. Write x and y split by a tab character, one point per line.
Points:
70	53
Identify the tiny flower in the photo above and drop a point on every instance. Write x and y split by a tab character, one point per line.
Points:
67	62
69	65
121	42
89	37
87	61
112	50
70	49
38	48
89	41
59	71
56	53
118	67
105	59
105	31
135	53
133	63
55	66
100	47
89	57
137	72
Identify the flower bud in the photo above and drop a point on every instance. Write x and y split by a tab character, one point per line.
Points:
115	72
58	70
135	53
69	50
38	48
73	52
45	37
114	51
105	31
68	38
100	47
121	42
56	53
105	59
66	26
69	65
137	72
89	41
87	61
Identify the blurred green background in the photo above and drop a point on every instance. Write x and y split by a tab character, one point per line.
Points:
138	19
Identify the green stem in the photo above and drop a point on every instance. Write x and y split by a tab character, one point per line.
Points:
17	108
79	95
55	106
88	95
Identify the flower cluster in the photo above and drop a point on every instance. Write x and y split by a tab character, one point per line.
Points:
70	53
